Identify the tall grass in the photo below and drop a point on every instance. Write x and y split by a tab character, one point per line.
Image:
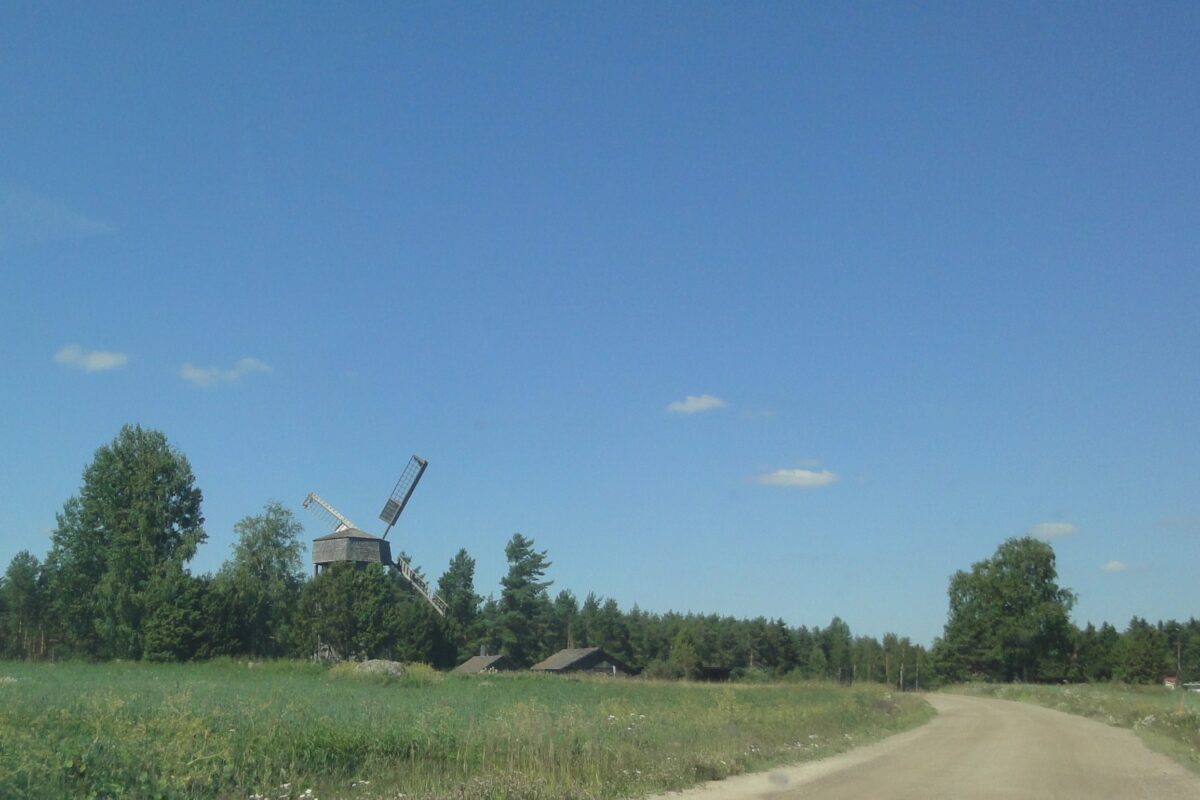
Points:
227	729
1167	721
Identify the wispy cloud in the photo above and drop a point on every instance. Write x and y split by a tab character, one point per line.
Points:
207	376
1190	524
1052	530
1115	566
797	478
693	404
27	218
72	355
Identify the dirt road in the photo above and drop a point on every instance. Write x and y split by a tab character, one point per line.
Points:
978	748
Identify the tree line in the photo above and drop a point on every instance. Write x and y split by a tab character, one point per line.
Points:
115	584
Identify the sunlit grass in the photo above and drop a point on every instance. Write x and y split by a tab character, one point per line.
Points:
1167	721
280	730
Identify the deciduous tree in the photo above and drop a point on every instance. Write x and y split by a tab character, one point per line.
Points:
23	608
1008	617
137	515
261	583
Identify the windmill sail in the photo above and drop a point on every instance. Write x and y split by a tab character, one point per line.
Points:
329	512
402	491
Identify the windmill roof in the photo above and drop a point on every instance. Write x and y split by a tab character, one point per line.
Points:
349	533
478	663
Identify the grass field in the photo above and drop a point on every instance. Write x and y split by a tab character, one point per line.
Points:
1167	721
297	730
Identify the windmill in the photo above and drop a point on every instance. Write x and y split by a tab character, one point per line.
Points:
348	542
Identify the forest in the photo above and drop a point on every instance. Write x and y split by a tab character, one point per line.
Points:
116	585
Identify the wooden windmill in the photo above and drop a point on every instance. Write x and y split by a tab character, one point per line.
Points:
347	542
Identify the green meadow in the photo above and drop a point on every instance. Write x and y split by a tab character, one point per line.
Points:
1167	721
300	730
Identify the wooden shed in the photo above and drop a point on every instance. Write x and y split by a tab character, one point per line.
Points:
350	544
478	664
583	659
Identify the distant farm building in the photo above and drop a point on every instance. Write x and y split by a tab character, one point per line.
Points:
583	659
350	544
478	664
715	674
1171	682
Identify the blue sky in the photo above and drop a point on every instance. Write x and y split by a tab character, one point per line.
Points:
927	273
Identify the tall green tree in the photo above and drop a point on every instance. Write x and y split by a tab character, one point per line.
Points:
457	588
524	624
1095	653
1008	617
136	520
685	660
23	608
1143	654
566	619
838	644
175	626
261	583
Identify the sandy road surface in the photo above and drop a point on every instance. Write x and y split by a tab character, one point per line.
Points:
979	748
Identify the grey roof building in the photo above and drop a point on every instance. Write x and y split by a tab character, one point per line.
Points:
478	664
583	659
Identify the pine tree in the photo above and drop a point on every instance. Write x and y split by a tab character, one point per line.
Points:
524	613
457	588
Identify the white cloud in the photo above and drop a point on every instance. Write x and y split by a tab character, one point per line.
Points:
693	404
1052	530
72	355
1115	566
799	478
28	218
206	376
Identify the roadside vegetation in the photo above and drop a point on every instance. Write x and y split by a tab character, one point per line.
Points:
300	730
1167	721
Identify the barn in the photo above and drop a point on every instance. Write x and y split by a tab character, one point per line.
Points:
477	664
583	659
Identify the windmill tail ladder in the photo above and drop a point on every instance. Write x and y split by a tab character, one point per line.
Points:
439	605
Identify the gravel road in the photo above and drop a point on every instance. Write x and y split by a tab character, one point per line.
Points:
979	748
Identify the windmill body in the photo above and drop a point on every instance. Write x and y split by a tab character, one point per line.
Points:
348	543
